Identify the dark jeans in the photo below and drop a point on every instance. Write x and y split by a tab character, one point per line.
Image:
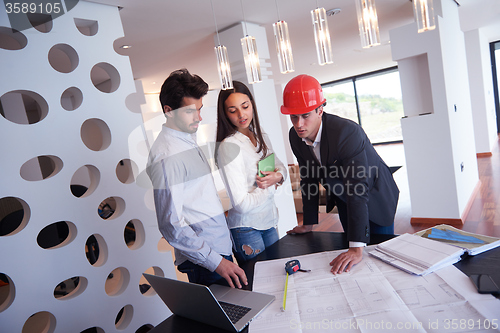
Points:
254	240
201	275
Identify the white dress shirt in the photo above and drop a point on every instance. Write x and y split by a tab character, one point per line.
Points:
251	206
189	212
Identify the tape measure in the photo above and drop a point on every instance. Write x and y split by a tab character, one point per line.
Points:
293	266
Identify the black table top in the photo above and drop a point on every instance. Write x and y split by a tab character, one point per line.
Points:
313	242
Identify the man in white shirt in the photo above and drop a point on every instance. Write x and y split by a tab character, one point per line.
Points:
189	212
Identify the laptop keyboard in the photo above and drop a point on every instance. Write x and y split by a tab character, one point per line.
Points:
233	311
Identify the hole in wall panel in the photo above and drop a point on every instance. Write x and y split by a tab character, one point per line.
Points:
134	234
95	134
144	286
133	103
41	22
14	215
40	322
111	208
41	167
117	281
163	245
96	250
87	27
23	107
12	39
126	171
70	288
94	329
144	328
84	181
105	77
7	291
71	99
56	235
63	58
124	317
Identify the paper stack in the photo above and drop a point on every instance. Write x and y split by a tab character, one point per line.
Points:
417	255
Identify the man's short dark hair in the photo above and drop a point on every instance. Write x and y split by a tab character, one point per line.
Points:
180	84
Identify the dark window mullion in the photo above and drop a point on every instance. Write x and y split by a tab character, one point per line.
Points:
495	46
357	102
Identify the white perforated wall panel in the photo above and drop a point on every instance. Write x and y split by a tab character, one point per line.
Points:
76	230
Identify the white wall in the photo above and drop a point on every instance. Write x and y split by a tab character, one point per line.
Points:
481	90
438	133
35	272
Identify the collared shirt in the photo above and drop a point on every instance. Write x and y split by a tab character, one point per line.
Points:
189	212
251	206
316	144
316	147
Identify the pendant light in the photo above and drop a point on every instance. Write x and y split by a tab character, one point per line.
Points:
368	23
250	55
223	66
322	36
283	45
424	14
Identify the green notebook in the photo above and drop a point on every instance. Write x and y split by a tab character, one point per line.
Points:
266	164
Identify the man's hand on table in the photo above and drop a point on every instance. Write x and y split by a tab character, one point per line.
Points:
345	261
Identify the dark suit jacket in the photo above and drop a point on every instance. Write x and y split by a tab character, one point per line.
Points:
355	177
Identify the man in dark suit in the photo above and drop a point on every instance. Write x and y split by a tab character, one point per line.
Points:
337	153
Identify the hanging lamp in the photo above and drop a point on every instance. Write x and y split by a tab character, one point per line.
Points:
368	23
223	66
322	36
424	14
283	45
250	54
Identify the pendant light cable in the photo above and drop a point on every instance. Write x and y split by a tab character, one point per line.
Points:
215	21
244	21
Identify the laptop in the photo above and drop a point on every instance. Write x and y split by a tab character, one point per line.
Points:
207	304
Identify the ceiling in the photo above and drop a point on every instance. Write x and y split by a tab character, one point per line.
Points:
166	35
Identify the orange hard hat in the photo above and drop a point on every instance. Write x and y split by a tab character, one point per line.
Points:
301	95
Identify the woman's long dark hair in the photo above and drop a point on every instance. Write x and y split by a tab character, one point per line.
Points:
224	126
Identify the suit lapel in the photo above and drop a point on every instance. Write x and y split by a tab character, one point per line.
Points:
324	141
308	152
313	155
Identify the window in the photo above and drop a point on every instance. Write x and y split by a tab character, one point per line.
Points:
372	100
341	100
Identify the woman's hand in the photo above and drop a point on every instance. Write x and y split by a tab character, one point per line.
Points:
269	179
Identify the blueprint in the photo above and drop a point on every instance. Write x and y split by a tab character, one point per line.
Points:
372	297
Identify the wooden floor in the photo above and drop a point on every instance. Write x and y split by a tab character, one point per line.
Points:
484	214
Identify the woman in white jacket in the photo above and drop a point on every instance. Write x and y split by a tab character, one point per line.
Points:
253	217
